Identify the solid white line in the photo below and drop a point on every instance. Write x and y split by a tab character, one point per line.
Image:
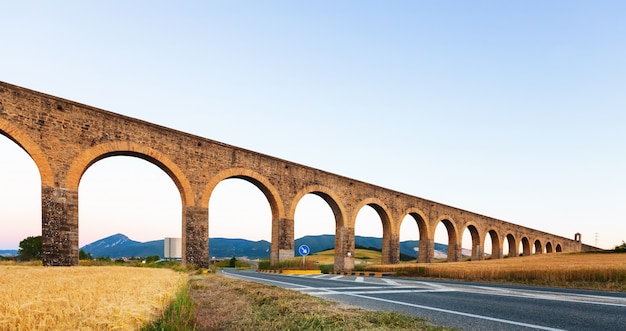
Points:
539	327
329	292
545	295
336	277
355	288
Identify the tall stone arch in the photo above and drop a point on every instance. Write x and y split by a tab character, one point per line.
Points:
88	157
282	227
513	245
391	239
526	249
31	148
538	247
496	243
549	248
454	246
426	252
126	148
477	241
331	198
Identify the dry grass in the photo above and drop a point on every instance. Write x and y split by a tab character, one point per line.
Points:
360	256
84	298
595	271
222	303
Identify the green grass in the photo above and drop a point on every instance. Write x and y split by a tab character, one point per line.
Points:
178	316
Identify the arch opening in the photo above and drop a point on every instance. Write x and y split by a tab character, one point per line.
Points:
445	232
471	243
548	247
20	195
410	240
510	247
239	209
492	245
537	248
559	249
368	235
525	249
314	217
131	196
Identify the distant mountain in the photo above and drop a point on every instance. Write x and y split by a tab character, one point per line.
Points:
119	245
226	248
8	252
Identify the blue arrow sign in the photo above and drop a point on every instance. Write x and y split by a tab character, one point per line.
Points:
304	250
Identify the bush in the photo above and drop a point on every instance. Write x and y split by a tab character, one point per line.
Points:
326	268
152	258
289	265
264	265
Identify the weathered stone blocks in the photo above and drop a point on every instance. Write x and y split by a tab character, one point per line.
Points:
65	138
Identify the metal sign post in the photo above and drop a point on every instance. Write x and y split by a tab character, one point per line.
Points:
304	251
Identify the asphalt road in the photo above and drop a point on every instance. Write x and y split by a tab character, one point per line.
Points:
466	306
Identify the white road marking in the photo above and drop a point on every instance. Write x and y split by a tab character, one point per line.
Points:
395	287
390	282
332	292
359	279
454	312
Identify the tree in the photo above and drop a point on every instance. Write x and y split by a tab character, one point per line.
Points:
233	262
84	256
621	248
30	249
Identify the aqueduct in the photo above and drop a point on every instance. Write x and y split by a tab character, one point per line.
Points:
65	138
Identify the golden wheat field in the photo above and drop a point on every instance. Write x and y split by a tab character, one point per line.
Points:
84	298
590	270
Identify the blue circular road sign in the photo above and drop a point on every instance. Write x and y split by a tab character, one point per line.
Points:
304	250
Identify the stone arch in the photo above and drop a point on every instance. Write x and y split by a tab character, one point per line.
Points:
477	243
389	237
513	245
327	195
425	253
525	246
282	228
32	149
577	237
548	247
421	220
454	247
558	248
496	244
344	241
381	209
258	180
126	148
538	247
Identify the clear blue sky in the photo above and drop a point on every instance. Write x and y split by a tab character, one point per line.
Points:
515	110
